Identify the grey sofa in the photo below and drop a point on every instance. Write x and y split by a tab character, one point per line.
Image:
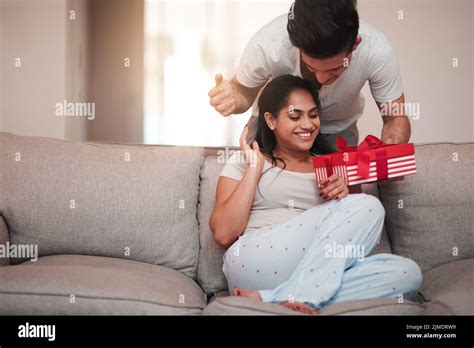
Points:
123	229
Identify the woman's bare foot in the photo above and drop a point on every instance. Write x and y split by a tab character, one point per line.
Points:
295	306
246	293
300	307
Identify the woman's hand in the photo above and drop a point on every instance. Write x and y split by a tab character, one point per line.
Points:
252	156
334	188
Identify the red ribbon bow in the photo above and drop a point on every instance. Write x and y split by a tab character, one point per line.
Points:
363	155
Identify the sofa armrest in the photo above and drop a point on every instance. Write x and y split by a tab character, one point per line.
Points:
4	238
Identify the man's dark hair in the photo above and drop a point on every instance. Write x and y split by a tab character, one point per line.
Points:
323	28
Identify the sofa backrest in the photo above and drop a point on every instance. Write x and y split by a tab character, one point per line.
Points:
4	239
430	215
144	203
131	202
209	274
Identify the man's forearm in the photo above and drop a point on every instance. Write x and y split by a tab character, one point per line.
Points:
398	129
243	101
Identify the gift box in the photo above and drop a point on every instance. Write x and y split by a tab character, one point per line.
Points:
371	161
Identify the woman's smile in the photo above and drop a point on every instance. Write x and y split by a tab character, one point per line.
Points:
306	136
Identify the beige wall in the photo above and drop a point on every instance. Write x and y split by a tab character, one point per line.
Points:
33	31
117	33
430	35
83	61
77	64
78	60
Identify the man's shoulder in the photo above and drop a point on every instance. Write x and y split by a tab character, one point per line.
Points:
275	34
371	34
277	24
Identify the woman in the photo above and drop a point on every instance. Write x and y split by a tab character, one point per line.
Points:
288	243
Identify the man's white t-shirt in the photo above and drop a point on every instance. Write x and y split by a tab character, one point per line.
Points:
270	53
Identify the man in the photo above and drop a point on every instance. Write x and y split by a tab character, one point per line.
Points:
323	42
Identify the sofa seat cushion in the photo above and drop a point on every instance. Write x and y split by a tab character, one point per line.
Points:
233	305
450	288
98	286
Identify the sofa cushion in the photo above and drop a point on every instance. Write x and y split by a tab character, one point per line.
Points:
4	238
210	275
429	216
99	285
456	301
378	306
441	278
125	201
450	288
233	305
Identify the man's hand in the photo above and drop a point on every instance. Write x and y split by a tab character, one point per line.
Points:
390	141
223	97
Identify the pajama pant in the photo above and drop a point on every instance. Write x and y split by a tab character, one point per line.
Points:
319	257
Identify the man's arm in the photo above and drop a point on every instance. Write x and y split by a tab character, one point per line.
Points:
396	128
245	96
396	125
